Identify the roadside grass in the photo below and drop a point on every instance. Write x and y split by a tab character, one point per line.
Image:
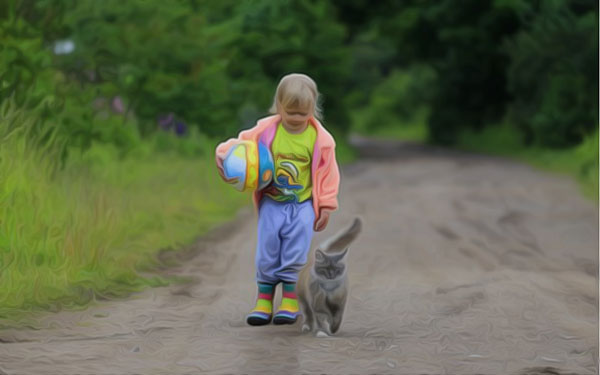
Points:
72	235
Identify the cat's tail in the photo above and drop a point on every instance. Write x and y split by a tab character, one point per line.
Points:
342	239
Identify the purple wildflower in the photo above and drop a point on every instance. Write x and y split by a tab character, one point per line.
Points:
166	121
117	105
180	128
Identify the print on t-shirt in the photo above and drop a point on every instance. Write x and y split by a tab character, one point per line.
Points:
292	180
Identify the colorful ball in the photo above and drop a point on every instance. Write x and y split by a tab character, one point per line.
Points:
251	164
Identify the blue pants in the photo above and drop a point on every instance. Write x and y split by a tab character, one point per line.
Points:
285	231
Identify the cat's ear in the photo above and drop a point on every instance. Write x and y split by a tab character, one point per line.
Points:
319	256
343	238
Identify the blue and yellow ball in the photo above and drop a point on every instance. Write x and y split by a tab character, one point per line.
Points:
251	163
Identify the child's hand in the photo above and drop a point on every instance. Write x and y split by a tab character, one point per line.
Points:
323	220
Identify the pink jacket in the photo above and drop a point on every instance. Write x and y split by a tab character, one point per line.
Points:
325	174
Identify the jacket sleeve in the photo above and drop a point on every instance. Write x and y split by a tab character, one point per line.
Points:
245	135
329	179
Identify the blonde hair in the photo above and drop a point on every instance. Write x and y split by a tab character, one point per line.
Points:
297	90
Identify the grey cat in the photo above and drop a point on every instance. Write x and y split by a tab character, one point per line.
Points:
322	285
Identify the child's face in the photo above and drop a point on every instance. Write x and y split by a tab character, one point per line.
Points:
295	118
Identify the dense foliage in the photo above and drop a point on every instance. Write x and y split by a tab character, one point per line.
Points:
117	71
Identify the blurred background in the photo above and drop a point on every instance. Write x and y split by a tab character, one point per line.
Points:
110	112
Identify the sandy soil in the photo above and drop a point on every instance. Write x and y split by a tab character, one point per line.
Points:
466	265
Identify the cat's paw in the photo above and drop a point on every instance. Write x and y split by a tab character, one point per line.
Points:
306	328
321	334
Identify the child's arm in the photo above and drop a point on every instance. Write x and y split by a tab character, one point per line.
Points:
330	183
330	180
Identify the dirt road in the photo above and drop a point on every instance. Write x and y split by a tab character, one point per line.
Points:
466	265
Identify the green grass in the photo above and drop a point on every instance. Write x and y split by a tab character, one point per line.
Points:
344	153
88	231
580	162
409	132
415	130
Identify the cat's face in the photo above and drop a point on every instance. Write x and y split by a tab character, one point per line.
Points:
329	266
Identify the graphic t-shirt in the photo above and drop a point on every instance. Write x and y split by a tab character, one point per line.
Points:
292	156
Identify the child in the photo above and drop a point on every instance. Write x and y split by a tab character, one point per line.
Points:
300	198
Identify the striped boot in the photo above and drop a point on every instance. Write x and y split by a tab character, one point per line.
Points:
288	311
263	311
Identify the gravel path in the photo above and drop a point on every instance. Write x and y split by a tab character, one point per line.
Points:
467	264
